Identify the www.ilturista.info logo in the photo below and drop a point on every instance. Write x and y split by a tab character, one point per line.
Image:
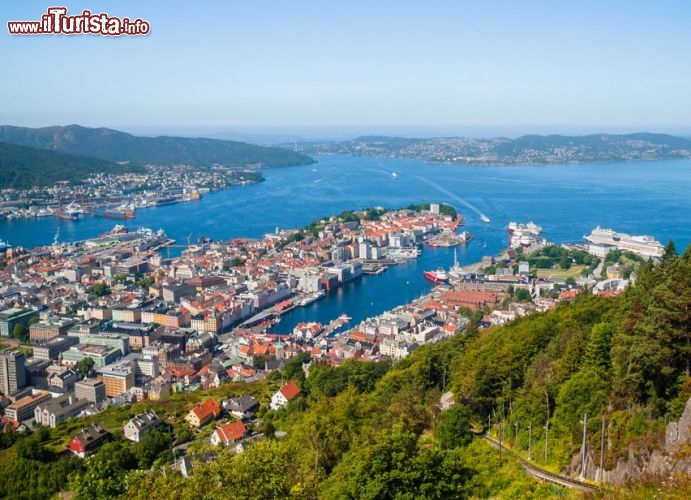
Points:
57	22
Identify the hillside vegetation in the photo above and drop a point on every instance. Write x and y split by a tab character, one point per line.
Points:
114	146
23	167
366	430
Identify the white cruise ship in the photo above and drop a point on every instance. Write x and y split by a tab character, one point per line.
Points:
602	240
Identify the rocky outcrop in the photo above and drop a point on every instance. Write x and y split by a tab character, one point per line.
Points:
679	433
643	462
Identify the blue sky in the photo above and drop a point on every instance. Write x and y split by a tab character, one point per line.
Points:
475	68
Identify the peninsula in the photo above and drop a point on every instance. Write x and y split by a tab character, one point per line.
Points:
525	150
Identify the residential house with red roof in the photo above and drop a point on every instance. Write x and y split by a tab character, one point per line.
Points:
204	413
284	395
229	433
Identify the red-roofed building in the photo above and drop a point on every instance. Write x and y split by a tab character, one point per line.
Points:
229	433
203	414
284	395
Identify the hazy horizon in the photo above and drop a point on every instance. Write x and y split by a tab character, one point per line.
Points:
282	134
346	69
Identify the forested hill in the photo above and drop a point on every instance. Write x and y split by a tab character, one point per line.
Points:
525	150
23	167
114	146
375	430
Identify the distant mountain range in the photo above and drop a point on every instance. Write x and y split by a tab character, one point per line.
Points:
526	150
115	146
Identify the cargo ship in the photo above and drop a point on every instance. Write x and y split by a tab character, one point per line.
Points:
438	277
113	213
169	200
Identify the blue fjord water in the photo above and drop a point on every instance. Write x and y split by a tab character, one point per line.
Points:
568	201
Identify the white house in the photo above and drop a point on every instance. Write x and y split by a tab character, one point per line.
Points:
284	395
141	424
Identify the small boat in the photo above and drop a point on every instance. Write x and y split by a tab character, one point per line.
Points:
4	245
485	219
438	277
394	174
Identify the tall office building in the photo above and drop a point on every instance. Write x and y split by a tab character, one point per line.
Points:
12	372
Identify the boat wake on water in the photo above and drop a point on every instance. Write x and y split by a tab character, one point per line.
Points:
445	191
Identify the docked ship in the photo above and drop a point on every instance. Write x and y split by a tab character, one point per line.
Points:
438	277
168	200
113	213
313	297
530	227
403	253
61	214
74	210
523	235
603	240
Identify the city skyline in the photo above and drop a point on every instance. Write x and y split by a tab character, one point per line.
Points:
345	69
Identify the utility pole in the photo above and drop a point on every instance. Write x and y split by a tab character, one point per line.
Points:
530	439
547	424
602	448
501	435
515	438
583	447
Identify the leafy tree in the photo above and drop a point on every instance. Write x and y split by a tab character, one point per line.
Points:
585	392
20	332
145	282
85	366
565	262
597	353
292	370
453	427
150	447
395	467
32	448
522	295
100	289
105	473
